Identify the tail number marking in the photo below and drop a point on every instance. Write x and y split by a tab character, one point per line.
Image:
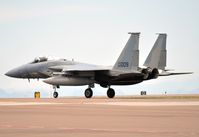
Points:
123	64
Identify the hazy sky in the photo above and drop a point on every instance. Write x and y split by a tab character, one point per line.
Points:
95	31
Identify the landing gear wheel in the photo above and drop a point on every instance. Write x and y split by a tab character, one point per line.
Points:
88	93
55	94
110	93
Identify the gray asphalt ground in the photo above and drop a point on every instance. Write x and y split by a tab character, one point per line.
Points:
100	117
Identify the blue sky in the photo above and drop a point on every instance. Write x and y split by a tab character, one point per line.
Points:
95	31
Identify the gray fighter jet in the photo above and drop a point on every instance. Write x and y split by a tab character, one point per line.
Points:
126	71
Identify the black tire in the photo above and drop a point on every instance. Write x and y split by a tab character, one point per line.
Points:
55	94
110	93
88	93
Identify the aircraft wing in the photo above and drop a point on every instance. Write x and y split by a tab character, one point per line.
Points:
78	68
84	68
88	69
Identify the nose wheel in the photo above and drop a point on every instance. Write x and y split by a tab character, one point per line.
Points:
110	93
55	94
88	93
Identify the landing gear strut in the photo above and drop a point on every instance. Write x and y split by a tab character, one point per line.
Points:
110	93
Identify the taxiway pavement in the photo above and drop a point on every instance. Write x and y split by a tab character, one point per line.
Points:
99	117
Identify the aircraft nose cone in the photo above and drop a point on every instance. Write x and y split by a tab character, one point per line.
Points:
12	73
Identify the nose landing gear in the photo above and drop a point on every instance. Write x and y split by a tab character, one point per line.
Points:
55	93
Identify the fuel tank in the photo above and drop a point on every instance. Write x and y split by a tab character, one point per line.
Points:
68	81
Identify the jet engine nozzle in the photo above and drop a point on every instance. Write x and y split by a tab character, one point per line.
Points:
145	72
154	74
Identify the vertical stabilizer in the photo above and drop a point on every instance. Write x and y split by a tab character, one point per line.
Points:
129	57
157	55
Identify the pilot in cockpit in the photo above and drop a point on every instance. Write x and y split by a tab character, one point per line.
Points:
40	59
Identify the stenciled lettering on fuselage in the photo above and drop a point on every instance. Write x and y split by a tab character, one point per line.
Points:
123	64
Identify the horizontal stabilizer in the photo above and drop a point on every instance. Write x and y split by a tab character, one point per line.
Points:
164	73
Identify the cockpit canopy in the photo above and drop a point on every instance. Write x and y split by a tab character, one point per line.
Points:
45	58
40	59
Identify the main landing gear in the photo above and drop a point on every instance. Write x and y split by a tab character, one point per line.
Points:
110	92
89	93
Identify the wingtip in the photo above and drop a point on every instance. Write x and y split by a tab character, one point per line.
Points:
190	72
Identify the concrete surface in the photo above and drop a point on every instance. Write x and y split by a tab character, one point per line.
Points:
99	117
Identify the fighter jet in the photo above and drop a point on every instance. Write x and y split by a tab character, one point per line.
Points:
126	70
